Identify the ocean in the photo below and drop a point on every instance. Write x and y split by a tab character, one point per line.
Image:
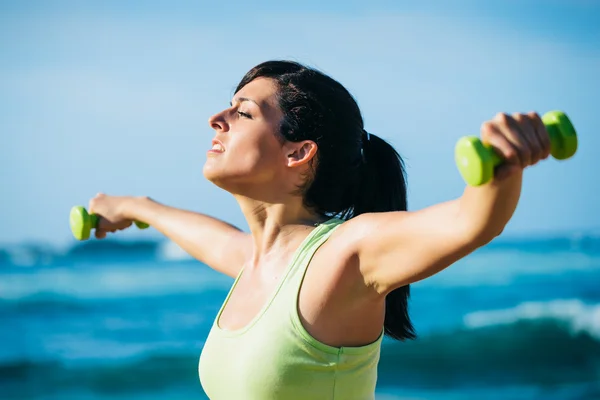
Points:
122	319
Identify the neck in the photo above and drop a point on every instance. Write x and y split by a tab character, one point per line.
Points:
273	225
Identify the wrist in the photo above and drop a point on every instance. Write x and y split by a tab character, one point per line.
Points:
131	206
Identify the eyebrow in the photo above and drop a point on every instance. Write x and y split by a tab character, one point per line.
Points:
243	99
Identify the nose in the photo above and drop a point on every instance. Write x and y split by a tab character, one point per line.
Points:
218	122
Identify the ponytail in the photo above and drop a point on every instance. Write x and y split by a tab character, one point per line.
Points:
382	187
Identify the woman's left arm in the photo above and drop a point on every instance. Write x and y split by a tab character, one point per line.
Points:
394	249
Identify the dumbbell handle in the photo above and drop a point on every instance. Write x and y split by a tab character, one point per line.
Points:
94	222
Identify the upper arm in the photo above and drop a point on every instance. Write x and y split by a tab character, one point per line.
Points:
229	249
398	248
218	244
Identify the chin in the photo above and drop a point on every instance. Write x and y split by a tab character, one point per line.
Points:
218	177
212	174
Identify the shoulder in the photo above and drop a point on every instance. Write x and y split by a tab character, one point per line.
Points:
340	255
354	234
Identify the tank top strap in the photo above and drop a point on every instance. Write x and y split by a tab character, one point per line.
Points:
307	250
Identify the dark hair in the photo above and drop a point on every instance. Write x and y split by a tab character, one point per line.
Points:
355	172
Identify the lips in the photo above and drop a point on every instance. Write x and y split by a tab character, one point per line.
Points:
217	147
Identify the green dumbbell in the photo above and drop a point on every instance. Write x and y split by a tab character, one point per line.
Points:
476	161
82	223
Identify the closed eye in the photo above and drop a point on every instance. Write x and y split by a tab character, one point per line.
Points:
245	115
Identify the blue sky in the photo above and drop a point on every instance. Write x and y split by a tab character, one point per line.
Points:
114	96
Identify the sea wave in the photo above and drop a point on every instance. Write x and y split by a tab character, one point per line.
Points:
500	268
526	351
544	351
576	315
588	242
153	373
113	281
41	303
171	251
41	254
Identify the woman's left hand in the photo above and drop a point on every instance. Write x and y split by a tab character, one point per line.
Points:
520	139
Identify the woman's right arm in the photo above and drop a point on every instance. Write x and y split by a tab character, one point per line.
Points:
217	244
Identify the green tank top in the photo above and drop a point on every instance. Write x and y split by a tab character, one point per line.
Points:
274	358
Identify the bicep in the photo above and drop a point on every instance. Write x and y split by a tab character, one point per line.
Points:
220	245
399	248
215	243
228	251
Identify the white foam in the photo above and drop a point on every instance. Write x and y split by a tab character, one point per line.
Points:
170	251
25	255
578	315
83	347
100	282
503	267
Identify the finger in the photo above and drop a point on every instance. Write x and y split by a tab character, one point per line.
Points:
492	135
511	130
504	124
104	224
529	138
100	233
124	225
93	203
541	133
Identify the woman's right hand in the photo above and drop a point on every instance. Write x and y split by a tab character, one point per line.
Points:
111	212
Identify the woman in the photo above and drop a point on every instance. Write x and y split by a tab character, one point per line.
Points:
325	271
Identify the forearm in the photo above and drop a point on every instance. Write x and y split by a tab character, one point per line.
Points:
485	210
203	237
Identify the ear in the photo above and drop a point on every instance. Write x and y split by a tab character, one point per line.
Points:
300	153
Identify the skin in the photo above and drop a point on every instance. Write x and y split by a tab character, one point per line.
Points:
342	299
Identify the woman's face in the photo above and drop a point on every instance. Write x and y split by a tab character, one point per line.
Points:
246	149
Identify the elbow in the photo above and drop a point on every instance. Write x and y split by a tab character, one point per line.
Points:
485	236
480	235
